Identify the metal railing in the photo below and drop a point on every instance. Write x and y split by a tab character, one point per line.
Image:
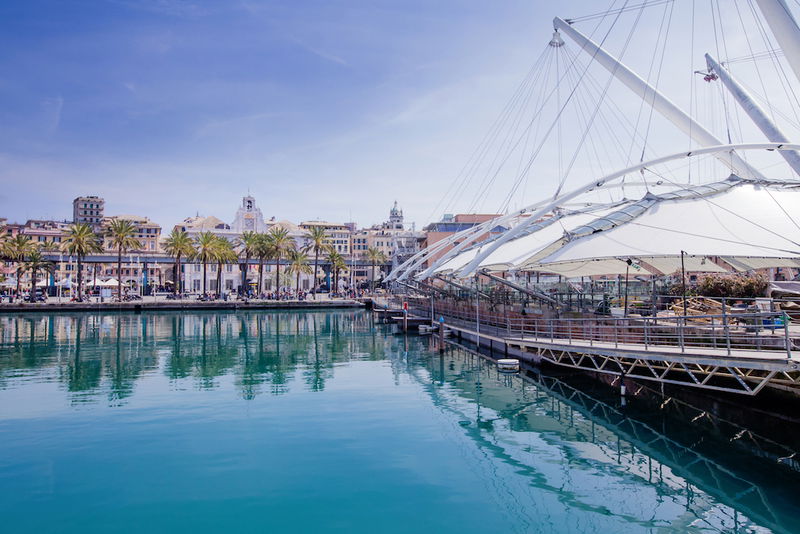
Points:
735	329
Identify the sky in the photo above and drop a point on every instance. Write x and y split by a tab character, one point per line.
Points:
326	110
320	109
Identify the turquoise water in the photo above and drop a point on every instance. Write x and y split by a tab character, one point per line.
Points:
324	422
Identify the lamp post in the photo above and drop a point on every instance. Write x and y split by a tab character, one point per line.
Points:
683	283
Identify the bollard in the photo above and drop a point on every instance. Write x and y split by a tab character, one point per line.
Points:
441	334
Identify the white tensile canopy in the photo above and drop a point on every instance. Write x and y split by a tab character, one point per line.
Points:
730	225
525	249
747	221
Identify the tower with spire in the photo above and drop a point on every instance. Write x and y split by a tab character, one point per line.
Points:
396	217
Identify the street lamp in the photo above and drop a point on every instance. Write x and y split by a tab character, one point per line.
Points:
683	283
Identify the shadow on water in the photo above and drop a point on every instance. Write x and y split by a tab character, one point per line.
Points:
557	432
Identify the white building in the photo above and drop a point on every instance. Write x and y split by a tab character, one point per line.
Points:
248	217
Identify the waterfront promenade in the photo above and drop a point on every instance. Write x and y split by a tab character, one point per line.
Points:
323	301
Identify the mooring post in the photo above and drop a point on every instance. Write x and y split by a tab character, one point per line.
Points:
405	320
441	334
787	339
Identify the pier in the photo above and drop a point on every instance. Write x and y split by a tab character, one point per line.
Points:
745	357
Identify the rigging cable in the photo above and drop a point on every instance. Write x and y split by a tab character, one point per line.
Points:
605	90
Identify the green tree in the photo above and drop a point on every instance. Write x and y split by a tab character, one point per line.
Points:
279	243
15	249
48	246
249	248
224	253
375	256
316	237
337	264
298	264
121	235
178	245
36	264
206	245
262	252
80	240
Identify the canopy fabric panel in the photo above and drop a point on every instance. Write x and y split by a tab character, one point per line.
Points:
672	264
590	267
525	249
747	220
749	263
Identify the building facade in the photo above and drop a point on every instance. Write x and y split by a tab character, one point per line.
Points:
88	210
248	217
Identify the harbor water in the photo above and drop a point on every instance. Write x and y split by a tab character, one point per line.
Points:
324	421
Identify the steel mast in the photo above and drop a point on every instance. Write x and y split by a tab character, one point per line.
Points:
659	102
754	111
785	29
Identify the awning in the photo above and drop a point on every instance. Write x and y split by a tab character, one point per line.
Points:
749	263
747	220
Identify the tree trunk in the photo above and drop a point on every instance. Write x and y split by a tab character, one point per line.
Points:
243	289
80	278
119	273
277	276
260	275
19	275
219	279
297	289
33	284
204	277
176	286
316	265
372	290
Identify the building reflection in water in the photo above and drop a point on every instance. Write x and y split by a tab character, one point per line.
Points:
666	466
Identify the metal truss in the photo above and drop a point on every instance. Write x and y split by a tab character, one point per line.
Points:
732	375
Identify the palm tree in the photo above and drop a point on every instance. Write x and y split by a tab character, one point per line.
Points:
178	244
80	241
224	253
121	234
16	249
374	255
262	252
34	265
298	264
48	246
316	237
278	243
249	245
337	264
206	245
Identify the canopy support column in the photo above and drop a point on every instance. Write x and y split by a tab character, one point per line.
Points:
785	29
659	102
754	111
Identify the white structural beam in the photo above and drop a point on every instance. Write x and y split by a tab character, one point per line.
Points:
660	103
785	29
595	184
754	111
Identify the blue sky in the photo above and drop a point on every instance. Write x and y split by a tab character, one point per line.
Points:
322	109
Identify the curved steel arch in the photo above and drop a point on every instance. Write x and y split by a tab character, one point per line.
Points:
595	184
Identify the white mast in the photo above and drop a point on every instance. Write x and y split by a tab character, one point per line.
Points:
785	29
755	112
659	102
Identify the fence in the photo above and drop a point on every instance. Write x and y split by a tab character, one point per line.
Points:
735	328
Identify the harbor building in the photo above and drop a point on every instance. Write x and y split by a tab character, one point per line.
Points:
248	217
89	210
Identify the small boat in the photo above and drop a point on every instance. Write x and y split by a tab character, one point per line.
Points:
510	365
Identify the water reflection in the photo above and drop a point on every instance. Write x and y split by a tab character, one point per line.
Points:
103	356
532	438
